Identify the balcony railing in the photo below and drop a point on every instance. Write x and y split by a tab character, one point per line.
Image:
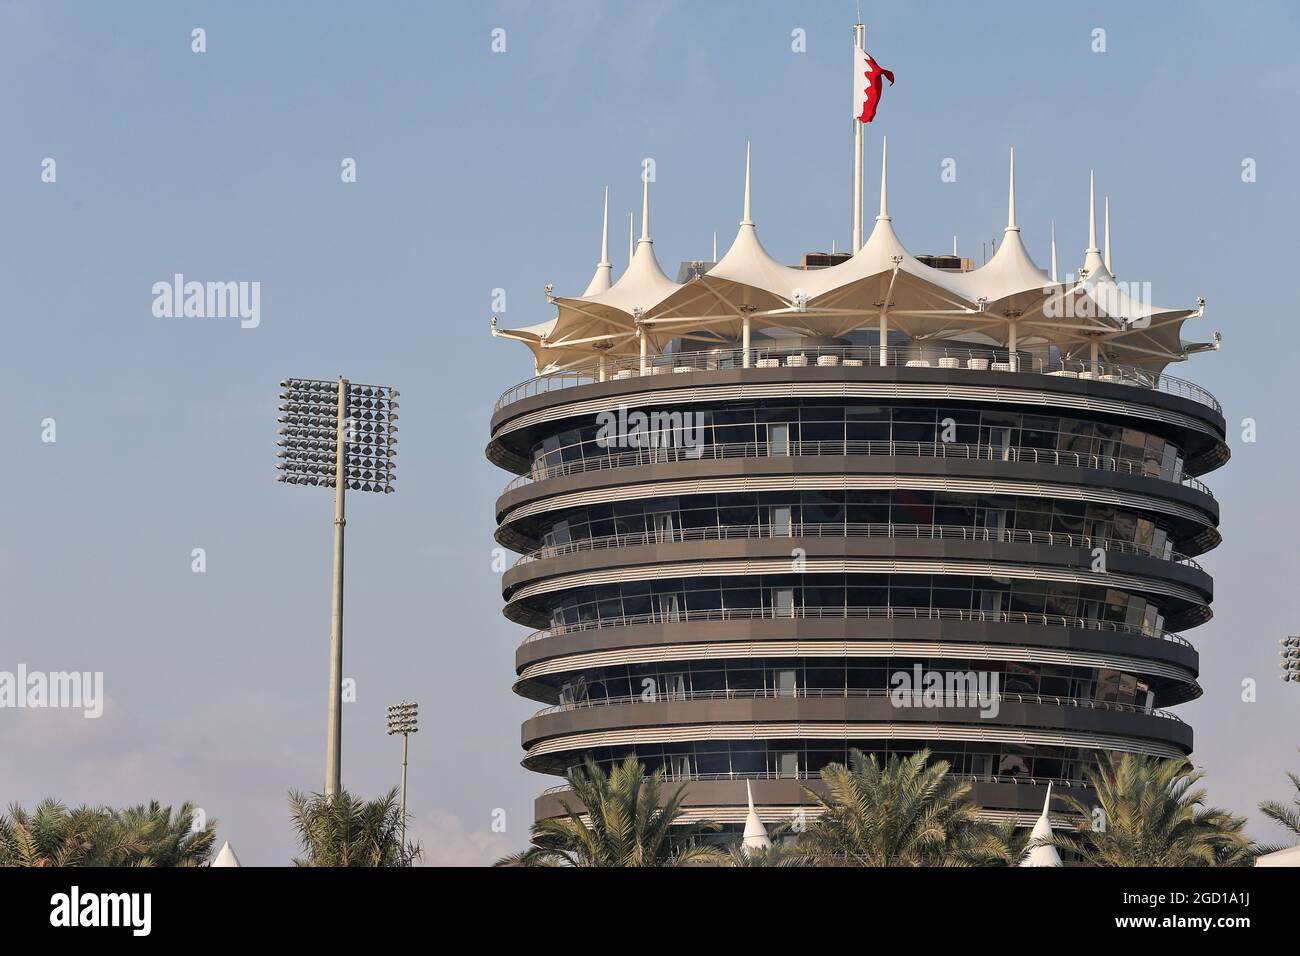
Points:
772	356
611	458
851	693
687	616
1028	781
840	529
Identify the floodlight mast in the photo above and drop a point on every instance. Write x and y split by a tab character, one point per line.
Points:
403	719
363	446
334	742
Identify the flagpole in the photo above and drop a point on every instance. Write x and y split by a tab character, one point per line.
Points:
860	40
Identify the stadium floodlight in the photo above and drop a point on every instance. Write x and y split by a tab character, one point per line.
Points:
402	720
343	436
1290	654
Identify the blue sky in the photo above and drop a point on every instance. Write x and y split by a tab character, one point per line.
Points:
479	171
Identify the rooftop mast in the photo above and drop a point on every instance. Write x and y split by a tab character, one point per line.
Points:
860	41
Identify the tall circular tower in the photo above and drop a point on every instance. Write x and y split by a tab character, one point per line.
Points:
771	514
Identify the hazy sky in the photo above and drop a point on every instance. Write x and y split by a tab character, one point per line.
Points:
481	170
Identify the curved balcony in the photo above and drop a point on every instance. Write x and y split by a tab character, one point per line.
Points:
723	798
1012	780
611	458
983	360
1183	593
846	693
853	530
687	616
551	737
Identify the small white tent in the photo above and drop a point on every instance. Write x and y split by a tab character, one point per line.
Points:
756	837
1287	857
226	856
1042	855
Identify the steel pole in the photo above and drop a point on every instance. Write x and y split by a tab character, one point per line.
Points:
334	742
860	40
406	739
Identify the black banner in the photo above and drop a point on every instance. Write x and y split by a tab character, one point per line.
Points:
940	905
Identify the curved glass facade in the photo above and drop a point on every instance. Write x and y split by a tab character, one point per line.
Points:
782	513
750	423
1081	650
803	759
830	593
799	676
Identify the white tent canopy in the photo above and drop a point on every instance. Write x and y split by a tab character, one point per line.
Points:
1007	302
226	856
1042	855
1288	857
755	837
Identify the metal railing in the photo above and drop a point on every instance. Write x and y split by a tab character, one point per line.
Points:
1029	781
687	616
894	449
851	693
841	529
777	356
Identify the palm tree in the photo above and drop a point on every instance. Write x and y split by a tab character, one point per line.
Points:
906	813
1151	816
52	835
626	825
149	835
1288	817
776	855
342	830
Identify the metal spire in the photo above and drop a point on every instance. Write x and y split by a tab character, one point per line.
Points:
749	216
645	208
604	234
1011	196
1054	279
1042	855
604	277
755	836
1092	260
1106	255
1092	213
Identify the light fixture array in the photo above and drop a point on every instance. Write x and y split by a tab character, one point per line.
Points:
402	718
308	434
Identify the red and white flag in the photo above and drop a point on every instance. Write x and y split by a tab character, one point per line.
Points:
867	84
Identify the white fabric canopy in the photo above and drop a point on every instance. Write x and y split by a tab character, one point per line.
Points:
1042	855
755	837
1007	300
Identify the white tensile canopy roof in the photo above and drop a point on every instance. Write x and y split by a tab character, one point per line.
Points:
226	856
1288	857
1042	855
755	837
1007	300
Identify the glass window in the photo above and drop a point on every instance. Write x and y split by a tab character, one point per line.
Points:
995	522
821	508
1015	761
912	507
